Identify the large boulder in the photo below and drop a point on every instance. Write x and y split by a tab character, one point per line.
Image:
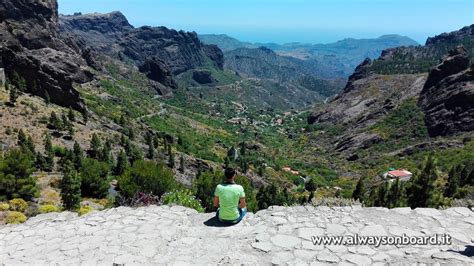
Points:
448	96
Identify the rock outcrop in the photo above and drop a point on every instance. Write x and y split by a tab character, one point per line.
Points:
157	70
448	96
278	235
32	47
203	77
465	32
158	52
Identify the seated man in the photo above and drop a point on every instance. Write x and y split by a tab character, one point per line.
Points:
230	199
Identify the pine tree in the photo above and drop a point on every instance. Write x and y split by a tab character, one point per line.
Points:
70	188
122	163
131	133
47	98
54	122
171	161
13	95
151	148
21	138
452	185
70	115
422	192
122	120
21	85
394	196
85	116
261	169
48	147
182	164
16	180
105	152
381	198
78	155
26	143
64	120
464	175
96	146
311	185
359	192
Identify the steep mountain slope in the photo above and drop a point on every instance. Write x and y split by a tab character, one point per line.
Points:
399	112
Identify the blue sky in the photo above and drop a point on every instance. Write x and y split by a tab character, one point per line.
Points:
310	21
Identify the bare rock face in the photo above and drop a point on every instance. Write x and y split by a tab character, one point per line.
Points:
157	51
448	96
203	77
157	70
465	32
181	50
31	47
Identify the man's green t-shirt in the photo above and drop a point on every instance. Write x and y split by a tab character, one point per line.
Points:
229	195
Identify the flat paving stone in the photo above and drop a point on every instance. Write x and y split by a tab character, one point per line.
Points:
279	235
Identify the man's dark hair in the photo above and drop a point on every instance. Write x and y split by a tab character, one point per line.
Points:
229	173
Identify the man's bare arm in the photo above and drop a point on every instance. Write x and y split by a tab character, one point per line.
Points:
242	204
216	201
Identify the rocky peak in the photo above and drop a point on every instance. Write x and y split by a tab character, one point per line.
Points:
360	72
465	32
448	95
110	23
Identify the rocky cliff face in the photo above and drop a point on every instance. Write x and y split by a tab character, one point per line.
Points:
181	50
447	97
31	47
159	52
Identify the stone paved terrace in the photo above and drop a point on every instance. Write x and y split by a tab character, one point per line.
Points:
279	235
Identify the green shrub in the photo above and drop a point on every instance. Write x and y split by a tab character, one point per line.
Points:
184	198
48	208
15	218
94	178
4	207
18	205
204	187
146	177
84	210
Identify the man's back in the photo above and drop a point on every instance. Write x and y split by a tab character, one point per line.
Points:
229	195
